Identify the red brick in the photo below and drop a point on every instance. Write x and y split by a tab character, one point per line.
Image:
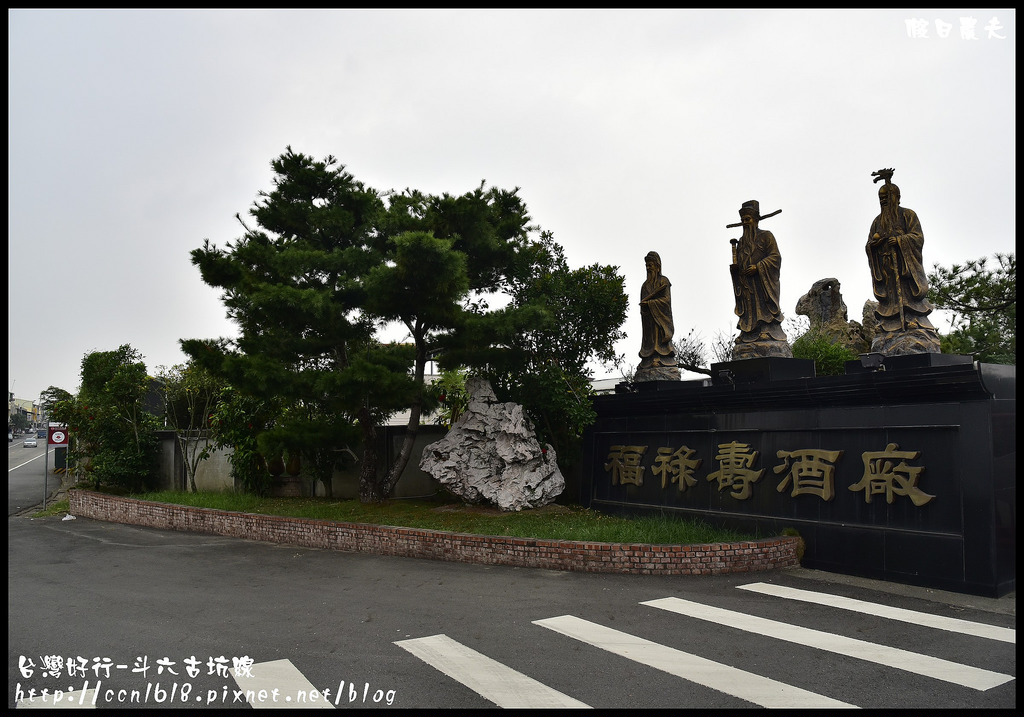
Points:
640	559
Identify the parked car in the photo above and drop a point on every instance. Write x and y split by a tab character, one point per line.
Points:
30	443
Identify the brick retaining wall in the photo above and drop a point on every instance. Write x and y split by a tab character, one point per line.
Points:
638	559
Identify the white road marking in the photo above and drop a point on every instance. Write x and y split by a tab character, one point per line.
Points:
760	690
952	624
29	461
293	690
492	680
881	654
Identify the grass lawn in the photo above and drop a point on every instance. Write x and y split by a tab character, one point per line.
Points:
552	522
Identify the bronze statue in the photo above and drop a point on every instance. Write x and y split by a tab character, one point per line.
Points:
755	268
657	355
898	277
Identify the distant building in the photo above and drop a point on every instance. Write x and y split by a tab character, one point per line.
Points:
25	407
607	385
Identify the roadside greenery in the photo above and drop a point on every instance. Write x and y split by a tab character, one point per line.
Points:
190	394
18	421
61	507
553	522
236	422
112	431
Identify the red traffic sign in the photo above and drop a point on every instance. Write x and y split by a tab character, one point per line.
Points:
57	436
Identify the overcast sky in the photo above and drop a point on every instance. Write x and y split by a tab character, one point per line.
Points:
134	135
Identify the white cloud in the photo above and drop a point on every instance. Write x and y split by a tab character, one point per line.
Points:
134	135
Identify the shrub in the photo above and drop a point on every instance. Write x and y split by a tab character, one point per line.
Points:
829	356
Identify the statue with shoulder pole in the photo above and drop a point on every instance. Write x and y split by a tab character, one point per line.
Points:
755	269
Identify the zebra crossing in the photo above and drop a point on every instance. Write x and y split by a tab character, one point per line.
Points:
738	683
964	675
964	627
501	685
506	687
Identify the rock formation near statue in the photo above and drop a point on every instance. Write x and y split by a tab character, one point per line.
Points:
491	455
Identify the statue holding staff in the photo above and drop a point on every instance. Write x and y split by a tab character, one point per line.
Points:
898	277
756	264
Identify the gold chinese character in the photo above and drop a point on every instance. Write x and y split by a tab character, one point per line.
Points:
881	476
734	472
677	467
624	464
811	472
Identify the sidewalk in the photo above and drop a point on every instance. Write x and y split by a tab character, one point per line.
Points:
1006	605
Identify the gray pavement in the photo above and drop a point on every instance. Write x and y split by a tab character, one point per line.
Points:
104	590
1005	605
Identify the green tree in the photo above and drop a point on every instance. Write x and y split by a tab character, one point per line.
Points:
63	407
422	285
236	423
19	421
817	343
450	391
294	286
982	300
451	257
190	395
111	430
329	265
538	349
52	396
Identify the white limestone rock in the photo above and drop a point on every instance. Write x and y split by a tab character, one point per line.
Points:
491	455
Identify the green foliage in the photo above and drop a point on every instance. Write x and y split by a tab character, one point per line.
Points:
328	266
801	546
558	403
236	422
489	226
536	350
113	437
295	285
421	284
982	300
829	355
61	507
548	523
51	397
190	394
450	391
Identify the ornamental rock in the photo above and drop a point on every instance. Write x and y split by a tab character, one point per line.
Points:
491	455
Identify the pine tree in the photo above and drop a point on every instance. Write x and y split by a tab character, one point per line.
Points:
983	302
330	263
294	285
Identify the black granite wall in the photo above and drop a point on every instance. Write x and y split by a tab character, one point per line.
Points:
903	474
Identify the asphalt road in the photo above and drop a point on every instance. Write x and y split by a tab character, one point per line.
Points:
427	634
25	474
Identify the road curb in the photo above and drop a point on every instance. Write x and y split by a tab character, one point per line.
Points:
581	556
